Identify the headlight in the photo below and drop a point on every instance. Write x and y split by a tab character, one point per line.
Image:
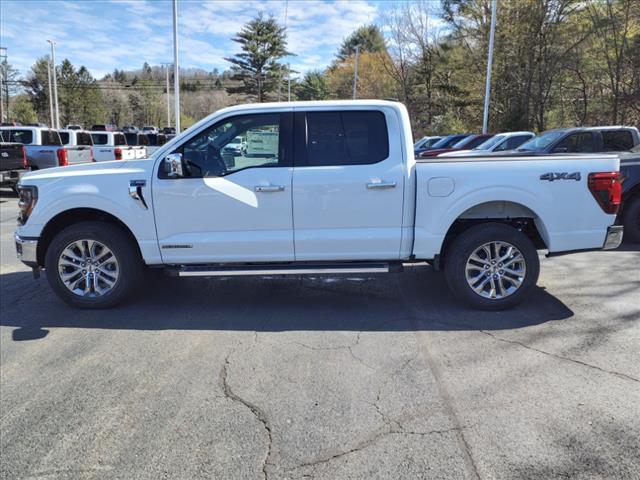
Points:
28	196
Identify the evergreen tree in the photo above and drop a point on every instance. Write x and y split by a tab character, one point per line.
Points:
263	43
313	86
368	37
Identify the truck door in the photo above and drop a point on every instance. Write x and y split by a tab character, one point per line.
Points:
228	208
348	185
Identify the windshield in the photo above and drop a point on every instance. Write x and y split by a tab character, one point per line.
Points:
542	141
236	140
492	142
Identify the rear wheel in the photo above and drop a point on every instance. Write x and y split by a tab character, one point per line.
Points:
631	219
92	265
492	266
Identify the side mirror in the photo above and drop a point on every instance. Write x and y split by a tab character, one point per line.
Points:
173	165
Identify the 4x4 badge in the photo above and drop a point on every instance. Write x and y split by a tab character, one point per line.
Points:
552	176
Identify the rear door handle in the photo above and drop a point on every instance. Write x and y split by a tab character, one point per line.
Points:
380	185
269	188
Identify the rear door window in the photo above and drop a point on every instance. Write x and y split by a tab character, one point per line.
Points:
346	138
576	143
617	140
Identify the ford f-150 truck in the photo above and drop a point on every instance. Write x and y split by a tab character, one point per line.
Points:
13	163
112	146
78	141
44	148
337	191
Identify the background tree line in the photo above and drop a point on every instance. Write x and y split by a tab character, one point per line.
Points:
556	63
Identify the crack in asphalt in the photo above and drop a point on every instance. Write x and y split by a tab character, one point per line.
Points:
561	357
369	441
349	348
257	412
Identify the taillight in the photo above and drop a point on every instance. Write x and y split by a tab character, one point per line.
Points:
62	157
118	153
25	163
91	157
606	188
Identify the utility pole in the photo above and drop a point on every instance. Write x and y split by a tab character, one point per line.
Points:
55	83
355	71
3	59
176	73
166	66
487	90
50	96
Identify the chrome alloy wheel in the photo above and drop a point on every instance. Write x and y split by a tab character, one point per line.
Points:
495	270
88	268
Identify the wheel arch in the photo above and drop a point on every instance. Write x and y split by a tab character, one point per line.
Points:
505	212
75	215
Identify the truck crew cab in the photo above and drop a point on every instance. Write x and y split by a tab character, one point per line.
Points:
335	189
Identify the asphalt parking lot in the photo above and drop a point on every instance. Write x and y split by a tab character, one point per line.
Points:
325	378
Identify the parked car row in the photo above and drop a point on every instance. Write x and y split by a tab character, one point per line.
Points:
622	140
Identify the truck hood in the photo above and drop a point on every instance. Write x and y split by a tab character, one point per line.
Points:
86	170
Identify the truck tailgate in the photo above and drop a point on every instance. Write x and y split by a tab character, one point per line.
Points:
552	189
78	154
11	156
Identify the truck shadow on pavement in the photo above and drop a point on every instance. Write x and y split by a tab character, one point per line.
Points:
417	299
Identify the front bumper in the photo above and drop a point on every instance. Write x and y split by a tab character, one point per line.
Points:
614	237
26	249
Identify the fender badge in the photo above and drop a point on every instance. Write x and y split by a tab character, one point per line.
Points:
552	176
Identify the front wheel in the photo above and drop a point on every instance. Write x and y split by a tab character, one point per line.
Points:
492	266
92	265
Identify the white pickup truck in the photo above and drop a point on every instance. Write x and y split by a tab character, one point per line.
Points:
339	192
113	146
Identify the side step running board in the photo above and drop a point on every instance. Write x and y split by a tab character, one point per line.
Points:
282	269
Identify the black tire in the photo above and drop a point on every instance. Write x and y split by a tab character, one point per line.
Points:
126	252
474	238
631	219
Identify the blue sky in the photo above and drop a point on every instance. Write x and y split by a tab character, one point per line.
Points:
103	35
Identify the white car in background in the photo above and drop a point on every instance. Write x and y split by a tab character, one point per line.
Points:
498	143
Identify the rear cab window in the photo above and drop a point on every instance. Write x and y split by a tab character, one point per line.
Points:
100	138
50	137
19	136
83	138
617	140
64	136
346	138
119	139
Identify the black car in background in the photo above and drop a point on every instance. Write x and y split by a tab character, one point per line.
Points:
629	214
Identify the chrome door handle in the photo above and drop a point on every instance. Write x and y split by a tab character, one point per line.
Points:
380	185
269	188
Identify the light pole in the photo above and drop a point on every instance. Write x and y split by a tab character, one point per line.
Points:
3	59
50	96
166	66
55	82
487	89
355	72
176	74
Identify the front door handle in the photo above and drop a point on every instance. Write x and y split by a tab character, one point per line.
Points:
269	188
380	185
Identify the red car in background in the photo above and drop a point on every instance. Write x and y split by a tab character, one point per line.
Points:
466	143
